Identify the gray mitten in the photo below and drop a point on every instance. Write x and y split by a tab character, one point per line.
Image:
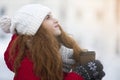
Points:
67	58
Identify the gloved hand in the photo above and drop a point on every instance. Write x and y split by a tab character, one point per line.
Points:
67	58
91	71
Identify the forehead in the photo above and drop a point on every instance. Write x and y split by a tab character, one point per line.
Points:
49	13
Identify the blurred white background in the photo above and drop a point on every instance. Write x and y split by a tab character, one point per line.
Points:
95	24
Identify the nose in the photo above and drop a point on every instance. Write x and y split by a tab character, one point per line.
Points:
55	20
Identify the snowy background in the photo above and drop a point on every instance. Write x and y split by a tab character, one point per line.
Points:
95	24
5	74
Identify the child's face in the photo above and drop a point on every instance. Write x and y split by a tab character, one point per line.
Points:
51	24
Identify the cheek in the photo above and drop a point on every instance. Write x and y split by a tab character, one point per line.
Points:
47	25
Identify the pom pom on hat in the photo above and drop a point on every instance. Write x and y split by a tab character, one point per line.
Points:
28	19
5	23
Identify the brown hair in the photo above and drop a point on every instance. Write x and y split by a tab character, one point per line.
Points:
44	52
69	42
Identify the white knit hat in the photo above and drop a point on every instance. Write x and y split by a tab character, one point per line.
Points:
28	19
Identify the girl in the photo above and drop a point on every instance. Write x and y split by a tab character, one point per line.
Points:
36	50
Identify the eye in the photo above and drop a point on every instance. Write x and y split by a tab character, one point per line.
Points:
48	17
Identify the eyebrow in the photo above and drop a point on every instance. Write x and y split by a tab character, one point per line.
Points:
49	14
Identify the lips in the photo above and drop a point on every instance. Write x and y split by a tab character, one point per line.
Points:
56	26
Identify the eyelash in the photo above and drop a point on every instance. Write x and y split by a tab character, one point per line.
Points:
48	16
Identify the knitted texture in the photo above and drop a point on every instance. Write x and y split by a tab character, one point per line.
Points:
5	23
27	20
67	58
91	71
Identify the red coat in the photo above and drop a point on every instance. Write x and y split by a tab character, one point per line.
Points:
25	71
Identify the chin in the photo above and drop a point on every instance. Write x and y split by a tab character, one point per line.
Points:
58	33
